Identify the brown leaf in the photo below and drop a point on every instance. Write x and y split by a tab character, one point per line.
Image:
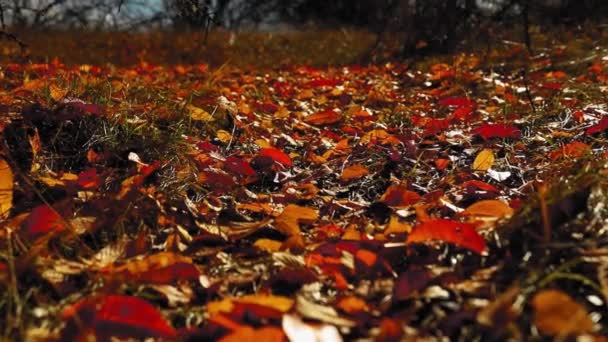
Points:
556	313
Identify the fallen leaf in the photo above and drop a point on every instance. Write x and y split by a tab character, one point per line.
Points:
247	333
399	196
601	126
288	222
6	188
276	155
556	313
488	131
298	330
159	268
491	208
115	315
353	172
457	233
484	160
42	220
573	150
198	114
326	117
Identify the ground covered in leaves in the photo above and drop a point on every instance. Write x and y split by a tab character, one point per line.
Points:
464	199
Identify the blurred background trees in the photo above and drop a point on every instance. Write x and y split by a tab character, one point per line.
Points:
419	25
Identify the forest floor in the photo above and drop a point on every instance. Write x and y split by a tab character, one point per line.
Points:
459	196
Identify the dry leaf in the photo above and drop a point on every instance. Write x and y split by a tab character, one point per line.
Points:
6	189
288	222
491	208
556	313
484	160
353	172
199	114
326	117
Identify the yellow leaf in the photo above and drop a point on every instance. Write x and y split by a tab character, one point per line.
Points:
199	114
268	245
57	93
223	136
484	160
556	313
6	188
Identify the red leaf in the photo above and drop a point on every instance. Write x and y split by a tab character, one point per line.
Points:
599	127
462	113
399	196
89	179
457	233
456	102
115	315
321	82
487	131
238	166
276	155
41	220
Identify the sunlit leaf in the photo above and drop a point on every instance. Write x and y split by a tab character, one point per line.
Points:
457	233
484	160
276	155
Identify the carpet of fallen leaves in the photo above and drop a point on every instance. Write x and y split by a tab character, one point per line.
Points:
384	201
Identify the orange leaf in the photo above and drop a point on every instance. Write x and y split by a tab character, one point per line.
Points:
353	172
6	189
492	208
326	117
115	315
441	164
556	313
247	333
288	222
399	196
457	233
574	149
276	155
